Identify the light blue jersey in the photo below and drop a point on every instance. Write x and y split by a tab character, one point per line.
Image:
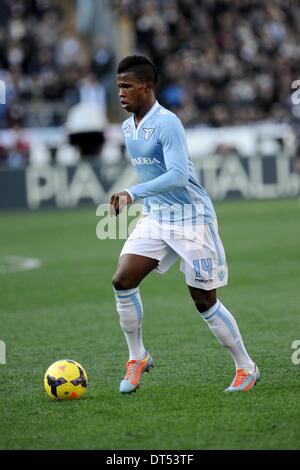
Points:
158	150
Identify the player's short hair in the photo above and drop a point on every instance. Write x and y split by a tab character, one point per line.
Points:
141	66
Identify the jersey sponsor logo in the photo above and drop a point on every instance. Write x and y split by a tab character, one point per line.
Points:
144	161
148	131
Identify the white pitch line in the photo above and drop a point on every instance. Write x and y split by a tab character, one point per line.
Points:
13	264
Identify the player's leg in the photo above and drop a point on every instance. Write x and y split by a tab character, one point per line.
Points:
224	326
204	264
143	252
131	270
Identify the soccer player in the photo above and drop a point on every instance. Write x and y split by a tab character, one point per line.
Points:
179	220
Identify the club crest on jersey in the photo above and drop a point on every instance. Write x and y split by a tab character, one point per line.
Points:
147	132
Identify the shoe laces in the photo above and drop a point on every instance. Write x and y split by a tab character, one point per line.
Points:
130	365
241	374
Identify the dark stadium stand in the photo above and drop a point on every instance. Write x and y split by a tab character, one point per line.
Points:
221	61
43	60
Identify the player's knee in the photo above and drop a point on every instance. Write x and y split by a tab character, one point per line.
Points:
121	282
204	303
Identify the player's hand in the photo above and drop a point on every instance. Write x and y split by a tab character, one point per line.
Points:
120	200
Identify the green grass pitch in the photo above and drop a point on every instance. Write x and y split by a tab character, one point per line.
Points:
66	309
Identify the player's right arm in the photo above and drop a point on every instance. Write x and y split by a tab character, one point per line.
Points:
120	200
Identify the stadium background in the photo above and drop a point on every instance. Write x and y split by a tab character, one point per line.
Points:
229	69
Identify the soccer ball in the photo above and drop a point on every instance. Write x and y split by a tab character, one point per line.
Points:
65	380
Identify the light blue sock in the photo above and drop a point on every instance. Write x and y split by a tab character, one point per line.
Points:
130	310
223	325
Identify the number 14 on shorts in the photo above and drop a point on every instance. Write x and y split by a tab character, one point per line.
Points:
206	266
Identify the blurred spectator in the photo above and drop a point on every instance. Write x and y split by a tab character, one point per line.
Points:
84	16
86	121
14	148
102	60
70	51
92	91
85	127
172	95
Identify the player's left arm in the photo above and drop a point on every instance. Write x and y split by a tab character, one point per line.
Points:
171	135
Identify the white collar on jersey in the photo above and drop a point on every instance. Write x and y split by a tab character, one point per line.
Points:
147	115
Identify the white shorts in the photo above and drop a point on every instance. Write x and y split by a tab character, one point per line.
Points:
201	251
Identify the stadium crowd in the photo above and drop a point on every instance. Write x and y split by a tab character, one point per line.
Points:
45	64
221	61
47	67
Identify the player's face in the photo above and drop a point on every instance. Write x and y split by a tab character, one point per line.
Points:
132	92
